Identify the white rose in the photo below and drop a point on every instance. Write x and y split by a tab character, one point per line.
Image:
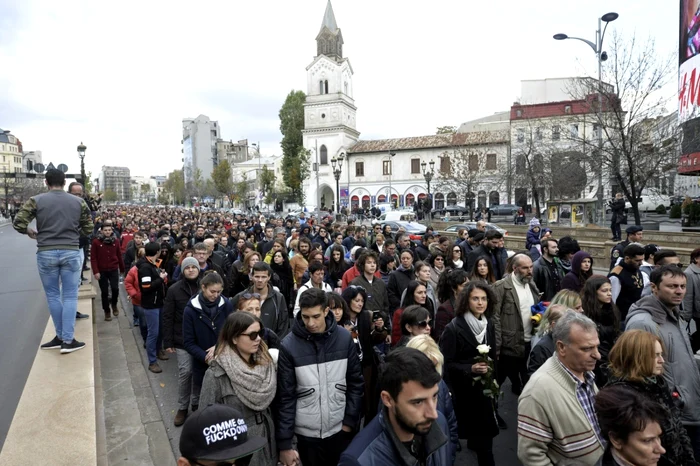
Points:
483	349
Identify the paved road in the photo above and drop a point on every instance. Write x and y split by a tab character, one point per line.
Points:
23	317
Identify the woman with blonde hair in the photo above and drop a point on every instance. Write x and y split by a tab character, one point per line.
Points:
568	298
636	361
243	375
544	347
426	345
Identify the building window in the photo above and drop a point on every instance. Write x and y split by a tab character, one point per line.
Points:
346	88
573	131
386	167
518	113
326	84
415	166
445	166
567	109
324	155
491	161
520	135
538	134
520	165
556	132
473	162
359	169
320	87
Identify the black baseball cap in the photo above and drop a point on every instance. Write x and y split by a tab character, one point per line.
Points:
217	433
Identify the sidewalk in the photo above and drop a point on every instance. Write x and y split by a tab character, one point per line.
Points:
135	432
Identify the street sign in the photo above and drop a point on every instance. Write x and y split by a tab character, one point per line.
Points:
51	166
63	167
39	167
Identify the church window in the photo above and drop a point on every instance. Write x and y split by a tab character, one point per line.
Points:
415	166
326	82
386	167
359	169
320	87
324	155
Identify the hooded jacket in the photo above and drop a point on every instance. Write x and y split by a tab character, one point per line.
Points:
571	280
681	368
320	383
533	237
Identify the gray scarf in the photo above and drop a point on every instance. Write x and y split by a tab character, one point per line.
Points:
256	386
477	326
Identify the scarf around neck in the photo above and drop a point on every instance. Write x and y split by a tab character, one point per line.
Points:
254	386
477	326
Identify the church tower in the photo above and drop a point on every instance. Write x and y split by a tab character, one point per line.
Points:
329	111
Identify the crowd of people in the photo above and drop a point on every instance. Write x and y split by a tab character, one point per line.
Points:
330	343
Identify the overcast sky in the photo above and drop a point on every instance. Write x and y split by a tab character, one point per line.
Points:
120	76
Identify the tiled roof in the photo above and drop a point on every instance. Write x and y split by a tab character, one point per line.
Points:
432	141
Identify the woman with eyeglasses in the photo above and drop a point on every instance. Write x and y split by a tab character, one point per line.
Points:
202	320
449	287
454	260
437	267
243	375
599	307
415	320
637	363
250	302
416	293
472	326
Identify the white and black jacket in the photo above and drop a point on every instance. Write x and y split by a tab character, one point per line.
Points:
319	383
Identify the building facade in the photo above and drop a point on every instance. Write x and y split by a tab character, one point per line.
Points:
10	153
199	146
234	152
117	179
31	158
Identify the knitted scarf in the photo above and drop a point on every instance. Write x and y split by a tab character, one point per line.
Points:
254	386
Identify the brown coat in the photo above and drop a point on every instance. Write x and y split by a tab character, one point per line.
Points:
510	336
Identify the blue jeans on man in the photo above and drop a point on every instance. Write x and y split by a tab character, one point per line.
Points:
153	324
59	271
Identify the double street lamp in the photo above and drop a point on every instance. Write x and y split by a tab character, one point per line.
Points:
337	165
597	47
81	154
428	175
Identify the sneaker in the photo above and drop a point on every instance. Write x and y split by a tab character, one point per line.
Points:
136	321
79	315
108	316
115	310
53	344
180	417
155	368
74	345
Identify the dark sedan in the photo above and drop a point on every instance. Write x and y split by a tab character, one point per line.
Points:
503	209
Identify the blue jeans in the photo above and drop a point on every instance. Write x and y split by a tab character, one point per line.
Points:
59	270
140	313
153	322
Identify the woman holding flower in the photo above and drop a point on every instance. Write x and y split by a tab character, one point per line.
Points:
469	347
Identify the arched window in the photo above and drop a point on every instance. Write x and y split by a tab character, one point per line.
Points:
482	198
326	82
320	87
439	201
451	199
324	155
494	198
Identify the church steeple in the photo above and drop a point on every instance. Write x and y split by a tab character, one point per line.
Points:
329	41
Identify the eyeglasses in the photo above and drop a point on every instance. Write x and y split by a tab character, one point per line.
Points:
357	287
251	296
253	335
439	259
423	323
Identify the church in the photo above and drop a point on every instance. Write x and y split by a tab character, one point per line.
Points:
468	167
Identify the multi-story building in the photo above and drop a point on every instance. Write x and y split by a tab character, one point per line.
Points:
10	153
31	158
250	170
199	146
234	152
144	189
117	179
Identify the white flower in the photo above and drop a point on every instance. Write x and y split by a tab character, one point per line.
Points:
483	349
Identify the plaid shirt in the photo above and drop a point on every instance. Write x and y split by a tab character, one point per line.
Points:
585	395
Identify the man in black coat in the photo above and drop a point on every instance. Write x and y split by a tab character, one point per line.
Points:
489	250
617	208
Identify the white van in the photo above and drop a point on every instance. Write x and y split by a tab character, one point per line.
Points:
649	202
397	215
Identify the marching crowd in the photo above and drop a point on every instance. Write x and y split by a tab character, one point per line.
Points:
315	342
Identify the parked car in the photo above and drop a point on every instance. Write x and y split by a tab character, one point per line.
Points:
394	215
415	230
503	209
472	225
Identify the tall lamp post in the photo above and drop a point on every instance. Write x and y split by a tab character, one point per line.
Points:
597	47
428	175
337	165
81	154
391	172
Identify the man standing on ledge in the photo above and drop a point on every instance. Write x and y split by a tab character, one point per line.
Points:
60	219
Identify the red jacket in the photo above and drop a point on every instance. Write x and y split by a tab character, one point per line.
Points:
131	283
127	236
106	256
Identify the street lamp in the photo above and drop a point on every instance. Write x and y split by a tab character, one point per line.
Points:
597	47
428	175
81	154
391	172
337	165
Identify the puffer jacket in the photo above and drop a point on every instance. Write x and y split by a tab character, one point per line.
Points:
378	445
131	283
320	383
532	238
571	280
681	368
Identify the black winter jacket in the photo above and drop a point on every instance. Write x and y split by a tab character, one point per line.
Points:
398	282
273	311
173	309
152	286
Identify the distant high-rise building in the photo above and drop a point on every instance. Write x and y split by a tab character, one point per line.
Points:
117	179
199	137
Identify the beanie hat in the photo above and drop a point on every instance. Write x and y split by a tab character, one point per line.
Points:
188	261
534	222
152	249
